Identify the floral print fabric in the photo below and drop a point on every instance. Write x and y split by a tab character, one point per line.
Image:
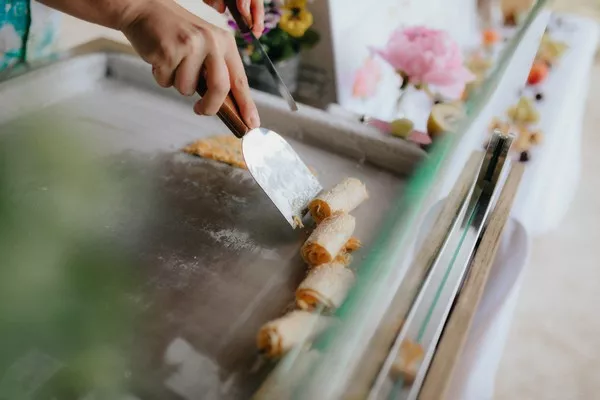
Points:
27	31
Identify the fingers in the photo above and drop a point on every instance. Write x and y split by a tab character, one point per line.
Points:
218	5
163	76
240	89
253	10
243	7
164	67
188	73
217	83
258	17
180	64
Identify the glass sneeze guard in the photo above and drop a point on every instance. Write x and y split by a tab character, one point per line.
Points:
324	369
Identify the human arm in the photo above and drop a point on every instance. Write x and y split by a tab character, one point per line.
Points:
179	45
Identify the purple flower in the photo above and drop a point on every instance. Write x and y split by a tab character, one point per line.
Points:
232	24
272	16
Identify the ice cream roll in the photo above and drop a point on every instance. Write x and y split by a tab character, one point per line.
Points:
326	285
277	337
343	197
328	239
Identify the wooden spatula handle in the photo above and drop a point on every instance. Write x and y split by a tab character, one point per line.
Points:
244	24
229	112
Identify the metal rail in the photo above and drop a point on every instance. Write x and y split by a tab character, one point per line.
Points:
427	317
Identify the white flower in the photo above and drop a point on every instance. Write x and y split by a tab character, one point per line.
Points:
9	39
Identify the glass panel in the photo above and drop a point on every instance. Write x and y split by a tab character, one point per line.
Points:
321	369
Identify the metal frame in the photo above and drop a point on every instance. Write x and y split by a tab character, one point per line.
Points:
427	317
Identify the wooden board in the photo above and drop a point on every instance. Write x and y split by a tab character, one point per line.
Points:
104	45
382	341
456	331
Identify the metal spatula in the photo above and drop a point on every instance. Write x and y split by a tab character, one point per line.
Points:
245	27
272	162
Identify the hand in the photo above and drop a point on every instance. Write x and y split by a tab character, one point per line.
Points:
251	10
180	46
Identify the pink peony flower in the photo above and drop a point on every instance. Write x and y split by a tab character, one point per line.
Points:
366	79
427	56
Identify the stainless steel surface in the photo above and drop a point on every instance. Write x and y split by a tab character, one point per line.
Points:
319	128
283	90
280	172
425	322
216	260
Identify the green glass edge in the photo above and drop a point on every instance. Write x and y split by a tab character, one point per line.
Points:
530	18
415	189
405	211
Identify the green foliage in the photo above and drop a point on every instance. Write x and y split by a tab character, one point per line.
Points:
63	279
310	39
279	45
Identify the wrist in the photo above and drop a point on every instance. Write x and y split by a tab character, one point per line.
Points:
128	13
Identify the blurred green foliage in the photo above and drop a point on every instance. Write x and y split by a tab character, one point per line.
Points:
279	45
65	318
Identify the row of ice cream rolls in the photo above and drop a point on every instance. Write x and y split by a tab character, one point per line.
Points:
327	252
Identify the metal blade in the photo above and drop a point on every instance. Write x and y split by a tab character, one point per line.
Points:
283	90
280	173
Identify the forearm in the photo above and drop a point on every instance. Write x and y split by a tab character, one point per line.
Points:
109	13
